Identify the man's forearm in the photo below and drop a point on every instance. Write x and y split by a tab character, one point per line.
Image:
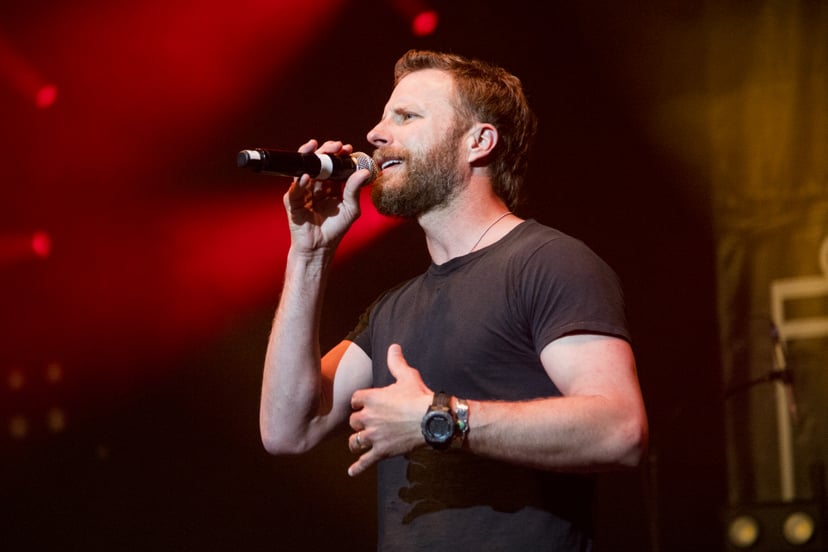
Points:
292	380
582	433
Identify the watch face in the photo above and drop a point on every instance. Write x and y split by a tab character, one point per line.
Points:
440	426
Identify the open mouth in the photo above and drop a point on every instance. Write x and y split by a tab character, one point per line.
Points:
390	163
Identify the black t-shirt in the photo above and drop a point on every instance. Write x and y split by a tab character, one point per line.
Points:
474	327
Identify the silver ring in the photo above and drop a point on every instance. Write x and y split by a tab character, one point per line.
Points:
358	440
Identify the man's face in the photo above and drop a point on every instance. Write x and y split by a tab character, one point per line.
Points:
418	142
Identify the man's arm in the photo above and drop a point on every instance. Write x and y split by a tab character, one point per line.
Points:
599	422
304	397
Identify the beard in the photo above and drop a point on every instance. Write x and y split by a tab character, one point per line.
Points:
432	180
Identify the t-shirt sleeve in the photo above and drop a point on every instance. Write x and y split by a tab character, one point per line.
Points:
569	289
361	334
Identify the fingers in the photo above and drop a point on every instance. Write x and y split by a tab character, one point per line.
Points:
386	421
333	147
362	464
305	190
308	146
357	402
298	195
361	442
367	458
355	182
358	443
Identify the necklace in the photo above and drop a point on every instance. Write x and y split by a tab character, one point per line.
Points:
489	227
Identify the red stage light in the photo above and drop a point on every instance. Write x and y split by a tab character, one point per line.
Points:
423	19
41	244
17	248
46	96
425	23
24	77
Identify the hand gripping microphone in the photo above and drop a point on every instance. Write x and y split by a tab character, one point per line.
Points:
319	166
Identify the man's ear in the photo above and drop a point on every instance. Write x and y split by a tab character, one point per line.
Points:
482	138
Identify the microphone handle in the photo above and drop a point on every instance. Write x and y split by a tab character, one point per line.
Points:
294	165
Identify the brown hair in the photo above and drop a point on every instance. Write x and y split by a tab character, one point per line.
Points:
487	94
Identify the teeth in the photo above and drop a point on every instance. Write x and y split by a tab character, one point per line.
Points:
387	164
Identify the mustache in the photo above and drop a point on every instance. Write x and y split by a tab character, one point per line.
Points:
383	154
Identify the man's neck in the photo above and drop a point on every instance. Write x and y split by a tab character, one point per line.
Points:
469	223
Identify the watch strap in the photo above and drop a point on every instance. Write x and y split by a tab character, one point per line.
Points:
441	400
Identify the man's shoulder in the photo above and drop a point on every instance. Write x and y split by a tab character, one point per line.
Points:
534	234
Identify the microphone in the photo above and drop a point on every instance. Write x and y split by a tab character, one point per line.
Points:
319	166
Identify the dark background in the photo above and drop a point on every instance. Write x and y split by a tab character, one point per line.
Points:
166	260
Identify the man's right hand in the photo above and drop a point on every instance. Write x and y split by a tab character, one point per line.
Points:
320	212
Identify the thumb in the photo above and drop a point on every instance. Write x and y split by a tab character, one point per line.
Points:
397	364
355	182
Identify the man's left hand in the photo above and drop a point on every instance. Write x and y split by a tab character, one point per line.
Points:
386	421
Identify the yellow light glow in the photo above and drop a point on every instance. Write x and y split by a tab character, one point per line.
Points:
798	528
743	531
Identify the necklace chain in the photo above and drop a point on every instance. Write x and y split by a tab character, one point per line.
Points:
489	227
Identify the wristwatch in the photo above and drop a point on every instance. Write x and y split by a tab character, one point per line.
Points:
438	423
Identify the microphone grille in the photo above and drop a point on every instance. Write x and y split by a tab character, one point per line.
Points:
365	161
